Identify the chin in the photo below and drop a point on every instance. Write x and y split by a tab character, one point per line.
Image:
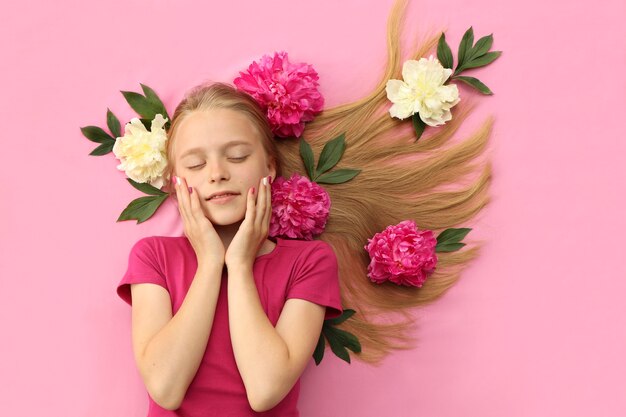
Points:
222	220
225	223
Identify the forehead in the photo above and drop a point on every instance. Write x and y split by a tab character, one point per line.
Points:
214	128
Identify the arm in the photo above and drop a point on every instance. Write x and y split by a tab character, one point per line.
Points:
168	350
270	360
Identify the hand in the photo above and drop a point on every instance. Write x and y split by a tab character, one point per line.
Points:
254	228
198	229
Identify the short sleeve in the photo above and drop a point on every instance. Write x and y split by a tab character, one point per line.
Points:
143	267
316	279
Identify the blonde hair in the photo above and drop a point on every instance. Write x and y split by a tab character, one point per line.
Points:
400	179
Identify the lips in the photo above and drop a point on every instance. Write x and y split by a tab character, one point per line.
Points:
221	194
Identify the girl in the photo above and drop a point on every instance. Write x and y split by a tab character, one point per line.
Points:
224	320
400	179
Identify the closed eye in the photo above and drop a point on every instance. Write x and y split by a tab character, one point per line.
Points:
196	166
238	159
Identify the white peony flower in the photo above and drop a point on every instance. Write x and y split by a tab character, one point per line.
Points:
142	152
423	92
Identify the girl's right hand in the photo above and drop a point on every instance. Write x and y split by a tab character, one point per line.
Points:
198	229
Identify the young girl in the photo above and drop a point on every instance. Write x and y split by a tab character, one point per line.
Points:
224	320
216	352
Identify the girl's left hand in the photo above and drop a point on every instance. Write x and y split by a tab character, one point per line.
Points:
254	228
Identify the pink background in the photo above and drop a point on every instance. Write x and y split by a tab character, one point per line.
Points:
534	328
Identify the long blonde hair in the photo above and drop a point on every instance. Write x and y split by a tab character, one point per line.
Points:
400	179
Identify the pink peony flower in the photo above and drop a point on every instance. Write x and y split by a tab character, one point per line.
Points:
287	92
402	254
300	208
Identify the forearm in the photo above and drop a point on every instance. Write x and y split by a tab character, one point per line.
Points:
172	357
261	354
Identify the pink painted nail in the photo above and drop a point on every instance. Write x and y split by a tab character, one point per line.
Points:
190	190
253	190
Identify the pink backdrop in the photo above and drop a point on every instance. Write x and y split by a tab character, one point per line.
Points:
534	328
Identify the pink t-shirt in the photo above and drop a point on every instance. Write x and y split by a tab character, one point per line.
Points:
294	269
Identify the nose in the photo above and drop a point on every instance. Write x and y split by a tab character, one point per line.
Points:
218	171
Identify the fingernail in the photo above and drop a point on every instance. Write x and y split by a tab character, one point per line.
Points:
174	179
190	190
264	180
177	180
253	190
271	179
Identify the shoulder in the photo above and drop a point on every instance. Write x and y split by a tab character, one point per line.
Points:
162	251
150	261
164	240
306	254
160	243
307	247
314	275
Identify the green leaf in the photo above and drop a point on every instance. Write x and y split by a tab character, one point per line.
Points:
137	102
347	313
318	354
418	125
444	54
141	209
453	235
482	46
339	339
465	46
144	107
96	134
331	154
338	177
145	187
336	345
343	337
103	149
448	247
474	82
349	340
114	124
154	99
448	240
481	61
307	157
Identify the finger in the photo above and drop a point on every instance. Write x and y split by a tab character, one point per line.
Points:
196	208
268	210
187	193
183	193
179	203
250	206
261	203
198	214
183	199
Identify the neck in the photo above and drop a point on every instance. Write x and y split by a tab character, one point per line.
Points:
227	233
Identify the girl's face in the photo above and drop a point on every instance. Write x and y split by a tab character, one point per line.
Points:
218	151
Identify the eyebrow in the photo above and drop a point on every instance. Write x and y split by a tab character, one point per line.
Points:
225	146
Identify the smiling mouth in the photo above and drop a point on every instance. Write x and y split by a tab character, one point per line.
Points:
217	197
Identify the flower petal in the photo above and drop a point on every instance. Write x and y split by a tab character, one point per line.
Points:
401	110
412	71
